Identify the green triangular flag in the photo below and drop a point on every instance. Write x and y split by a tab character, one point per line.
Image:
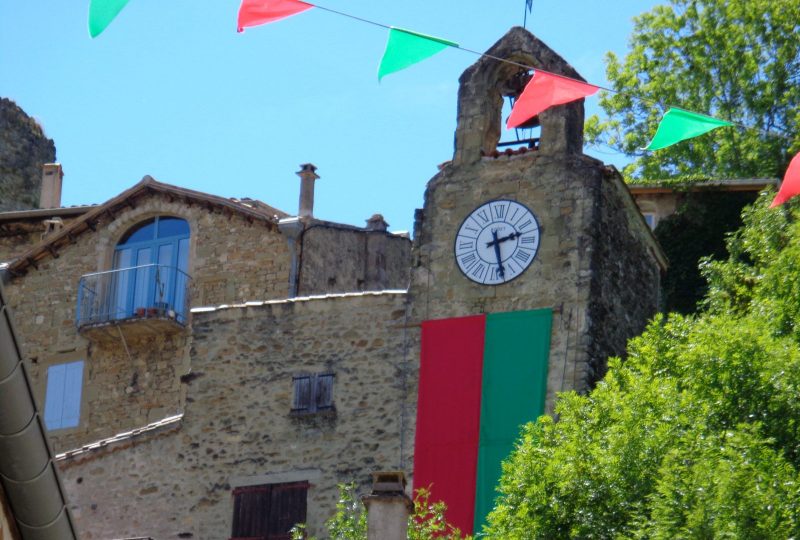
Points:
678	125
101	13
405	48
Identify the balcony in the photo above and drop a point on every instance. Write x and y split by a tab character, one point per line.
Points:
141	301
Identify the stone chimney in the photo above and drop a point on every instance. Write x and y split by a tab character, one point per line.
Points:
308	175
388	507
50	196
377	223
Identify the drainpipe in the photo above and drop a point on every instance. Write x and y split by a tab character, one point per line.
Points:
292	229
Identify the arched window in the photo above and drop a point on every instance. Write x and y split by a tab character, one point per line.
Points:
151	262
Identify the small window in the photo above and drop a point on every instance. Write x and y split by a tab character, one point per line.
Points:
62	403
313	393
268	511
650	218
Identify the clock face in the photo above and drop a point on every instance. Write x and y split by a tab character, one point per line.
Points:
497	242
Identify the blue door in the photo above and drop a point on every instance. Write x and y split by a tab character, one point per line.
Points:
151	263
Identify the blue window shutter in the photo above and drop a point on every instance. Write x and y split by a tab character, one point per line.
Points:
73	384
54	398
62	404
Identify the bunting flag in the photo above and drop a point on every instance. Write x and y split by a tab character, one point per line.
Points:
405	48
481	378
257	12
543	91
101	13
790	185
678	125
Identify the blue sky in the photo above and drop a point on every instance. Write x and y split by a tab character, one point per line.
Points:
171	90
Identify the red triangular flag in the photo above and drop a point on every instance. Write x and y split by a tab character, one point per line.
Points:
255	12
542	92
790	185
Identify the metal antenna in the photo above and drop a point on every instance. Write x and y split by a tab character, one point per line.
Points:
528	9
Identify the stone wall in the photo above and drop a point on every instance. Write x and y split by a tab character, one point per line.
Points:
231	260
625	273
556	189
24	148
238	428
343	259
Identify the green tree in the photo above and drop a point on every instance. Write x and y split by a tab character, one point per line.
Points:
696	434
737	60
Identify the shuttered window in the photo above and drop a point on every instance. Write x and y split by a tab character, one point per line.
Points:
268	511
62	402
313	392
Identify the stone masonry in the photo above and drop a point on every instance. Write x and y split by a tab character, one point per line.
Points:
231	260
597	258
24	148
238	427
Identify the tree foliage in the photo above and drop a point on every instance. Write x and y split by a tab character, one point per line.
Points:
737	60
695	435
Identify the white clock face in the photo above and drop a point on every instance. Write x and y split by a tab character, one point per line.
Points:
497	242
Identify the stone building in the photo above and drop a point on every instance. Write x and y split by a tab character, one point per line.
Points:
212	368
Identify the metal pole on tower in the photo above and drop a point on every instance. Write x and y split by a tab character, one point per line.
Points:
528	9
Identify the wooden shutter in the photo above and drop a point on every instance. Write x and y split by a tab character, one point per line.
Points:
269	511
324	391
302	393
250	512
287	509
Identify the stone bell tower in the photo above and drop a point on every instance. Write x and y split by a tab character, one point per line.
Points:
529	269
597	266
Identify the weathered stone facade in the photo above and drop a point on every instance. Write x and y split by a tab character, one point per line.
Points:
238	426
187	412
130	381
597	260
340	259
24	148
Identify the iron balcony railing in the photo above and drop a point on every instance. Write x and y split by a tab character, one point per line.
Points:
150	290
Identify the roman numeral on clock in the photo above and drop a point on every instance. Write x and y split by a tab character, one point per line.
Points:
499	211
522	256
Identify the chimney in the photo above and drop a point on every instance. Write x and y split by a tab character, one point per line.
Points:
50	196
377	223
388	507
308	175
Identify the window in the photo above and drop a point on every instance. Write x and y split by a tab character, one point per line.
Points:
268	511
62	403
313	393
156	252
650	218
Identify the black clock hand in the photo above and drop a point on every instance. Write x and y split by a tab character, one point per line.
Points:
503	239
496	243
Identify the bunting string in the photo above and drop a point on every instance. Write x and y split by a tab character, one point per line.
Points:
406	47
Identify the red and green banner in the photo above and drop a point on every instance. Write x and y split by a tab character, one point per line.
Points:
101	13
481	378
790	187
257	12
405	48
678	125
546	90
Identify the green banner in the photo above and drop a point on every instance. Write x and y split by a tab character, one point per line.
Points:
101	13
405	48
678	125
514	388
